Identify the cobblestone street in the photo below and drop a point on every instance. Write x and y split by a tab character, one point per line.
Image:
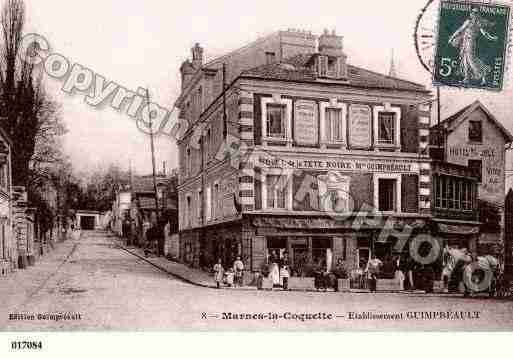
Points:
112	289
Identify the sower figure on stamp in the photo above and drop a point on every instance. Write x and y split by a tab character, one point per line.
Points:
465	40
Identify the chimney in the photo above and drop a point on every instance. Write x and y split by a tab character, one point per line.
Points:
332	61
197	56
187	71
330	44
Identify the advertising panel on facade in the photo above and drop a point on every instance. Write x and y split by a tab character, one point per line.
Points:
360	122
306	123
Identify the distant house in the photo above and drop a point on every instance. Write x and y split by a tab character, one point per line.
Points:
143	206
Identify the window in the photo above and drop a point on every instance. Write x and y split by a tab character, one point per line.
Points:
453	193
332	67
477	167
276	189
387	194
475	133
323	66
3	176
276	120
188	212
207	143
386	128
200	99
208	204
200	205
333	121
188	161
270	57
333	125
387	120
215	202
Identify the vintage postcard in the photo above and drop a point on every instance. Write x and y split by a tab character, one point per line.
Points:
269	166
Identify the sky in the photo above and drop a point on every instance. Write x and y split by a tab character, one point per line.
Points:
143	43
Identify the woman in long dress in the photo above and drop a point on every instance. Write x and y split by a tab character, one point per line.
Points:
471	67
274	274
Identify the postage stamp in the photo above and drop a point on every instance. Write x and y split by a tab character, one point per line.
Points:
472	45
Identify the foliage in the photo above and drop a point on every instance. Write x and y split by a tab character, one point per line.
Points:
32	118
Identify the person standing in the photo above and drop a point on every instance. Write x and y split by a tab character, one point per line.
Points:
285	274
373	267
218	273
238	268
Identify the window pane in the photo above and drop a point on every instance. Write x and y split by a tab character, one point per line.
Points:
386	128
276	120
444	192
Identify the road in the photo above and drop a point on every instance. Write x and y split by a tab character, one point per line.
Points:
110	289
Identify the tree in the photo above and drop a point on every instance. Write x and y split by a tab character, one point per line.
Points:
32	118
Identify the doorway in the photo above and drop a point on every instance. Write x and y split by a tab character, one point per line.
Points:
87	223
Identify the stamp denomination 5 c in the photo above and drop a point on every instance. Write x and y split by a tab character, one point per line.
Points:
472	44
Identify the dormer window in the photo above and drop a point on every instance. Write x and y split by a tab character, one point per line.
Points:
270	57
332	67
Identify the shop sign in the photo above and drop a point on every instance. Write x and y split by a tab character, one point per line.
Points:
305	122
360	122
351	165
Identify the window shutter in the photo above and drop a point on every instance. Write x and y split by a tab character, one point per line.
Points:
323	66
410	193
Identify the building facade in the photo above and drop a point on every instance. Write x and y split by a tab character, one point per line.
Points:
475	139
8	247
302	157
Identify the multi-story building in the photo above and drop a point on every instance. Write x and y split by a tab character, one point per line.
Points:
475	139
296	154
8	248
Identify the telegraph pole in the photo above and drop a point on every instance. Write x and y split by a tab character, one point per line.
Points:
152	144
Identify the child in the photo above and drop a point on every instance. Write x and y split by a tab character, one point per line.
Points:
229	277
285	274
218	273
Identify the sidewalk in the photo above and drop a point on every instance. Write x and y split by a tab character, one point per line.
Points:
178	270
18	287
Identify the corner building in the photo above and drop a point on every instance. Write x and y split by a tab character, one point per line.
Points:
302	156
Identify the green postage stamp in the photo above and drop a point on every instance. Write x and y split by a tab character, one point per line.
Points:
472	44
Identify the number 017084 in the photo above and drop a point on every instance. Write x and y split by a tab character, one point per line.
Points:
26	345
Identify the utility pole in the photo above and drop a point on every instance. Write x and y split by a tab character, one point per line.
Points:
153	158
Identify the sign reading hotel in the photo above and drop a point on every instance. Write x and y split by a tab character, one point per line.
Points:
356	165
305	123
360	119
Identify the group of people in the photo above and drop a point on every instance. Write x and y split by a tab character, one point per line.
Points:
402	269
233	276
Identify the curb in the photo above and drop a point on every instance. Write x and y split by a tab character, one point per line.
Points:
177	276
